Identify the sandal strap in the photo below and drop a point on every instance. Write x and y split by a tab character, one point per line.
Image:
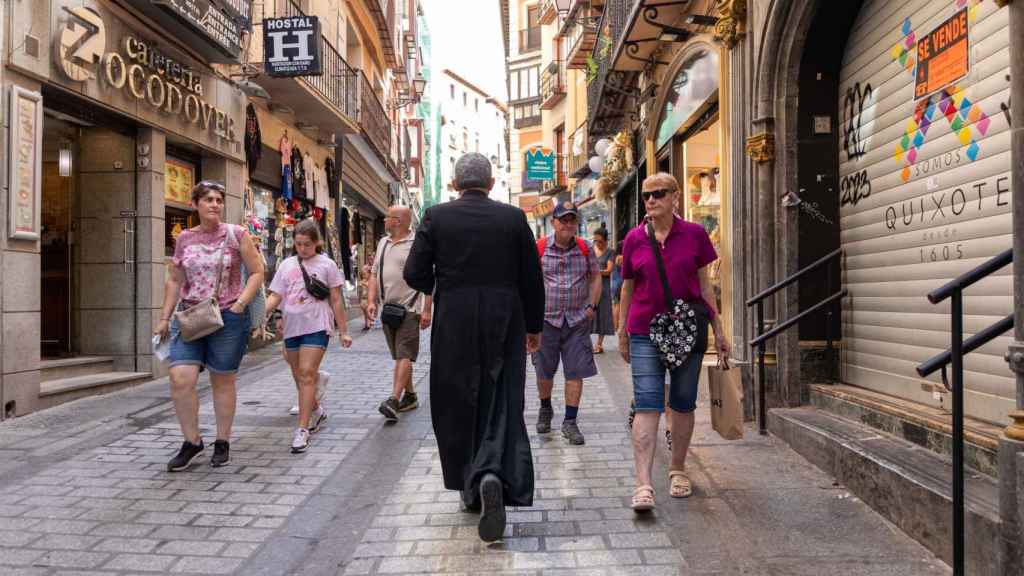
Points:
674	473
644	488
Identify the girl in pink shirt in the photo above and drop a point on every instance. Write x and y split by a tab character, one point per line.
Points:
308	322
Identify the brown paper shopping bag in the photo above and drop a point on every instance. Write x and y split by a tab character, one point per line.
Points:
726	400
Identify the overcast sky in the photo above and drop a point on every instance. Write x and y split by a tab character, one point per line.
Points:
466	38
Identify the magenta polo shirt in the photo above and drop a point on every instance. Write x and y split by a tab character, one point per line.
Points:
687	249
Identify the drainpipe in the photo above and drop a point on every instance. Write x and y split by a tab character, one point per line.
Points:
1011	446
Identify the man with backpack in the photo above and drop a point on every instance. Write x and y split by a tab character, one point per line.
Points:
572	287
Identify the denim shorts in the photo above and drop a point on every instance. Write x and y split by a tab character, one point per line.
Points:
649	375
221	352
314	340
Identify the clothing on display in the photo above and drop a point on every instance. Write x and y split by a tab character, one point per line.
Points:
346	248
298	173
332	178
253	139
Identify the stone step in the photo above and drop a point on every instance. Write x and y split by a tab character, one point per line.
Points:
61	368
927	426
909	485
54	392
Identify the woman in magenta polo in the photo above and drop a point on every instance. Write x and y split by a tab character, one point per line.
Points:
686	251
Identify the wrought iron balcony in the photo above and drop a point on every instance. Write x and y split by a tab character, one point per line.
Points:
373	120
552	85
609	89
580	35
529	39
336	88
579	145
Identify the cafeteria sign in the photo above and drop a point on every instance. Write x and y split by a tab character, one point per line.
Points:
540	164
942	56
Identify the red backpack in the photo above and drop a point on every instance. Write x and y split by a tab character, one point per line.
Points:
580	242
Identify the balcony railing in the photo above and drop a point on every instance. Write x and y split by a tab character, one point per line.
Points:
529	39
337	84
606	106
578	160
373	120
580	37
552	85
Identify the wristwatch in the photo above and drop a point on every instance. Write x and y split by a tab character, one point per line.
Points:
592	307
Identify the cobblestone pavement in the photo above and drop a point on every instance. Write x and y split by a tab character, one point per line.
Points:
83	490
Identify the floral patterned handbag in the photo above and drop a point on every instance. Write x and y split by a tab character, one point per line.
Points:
673	332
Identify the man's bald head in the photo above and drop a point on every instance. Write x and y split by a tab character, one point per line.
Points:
401	217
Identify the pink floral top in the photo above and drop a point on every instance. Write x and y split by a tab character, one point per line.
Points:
196	254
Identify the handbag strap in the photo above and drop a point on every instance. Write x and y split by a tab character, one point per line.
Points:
220	264
305	275
666	290
380	270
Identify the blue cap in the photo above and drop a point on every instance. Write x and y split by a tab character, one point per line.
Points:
565	207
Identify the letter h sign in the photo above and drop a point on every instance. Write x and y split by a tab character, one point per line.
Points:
291	46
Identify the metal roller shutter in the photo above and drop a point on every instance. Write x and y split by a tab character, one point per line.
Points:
925	191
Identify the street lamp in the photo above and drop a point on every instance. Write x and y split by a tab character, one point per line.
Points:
419	85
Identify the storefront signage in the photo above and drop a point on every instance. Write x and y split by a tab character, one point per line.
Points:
943	56
119	67
25	166
544	208
540	164
291	46
178	181
208	20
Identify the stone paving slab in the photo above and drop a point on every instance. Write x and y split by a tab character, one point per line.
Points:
84	491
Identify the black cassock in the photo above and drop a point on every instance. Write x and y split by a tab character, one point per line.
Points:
479	259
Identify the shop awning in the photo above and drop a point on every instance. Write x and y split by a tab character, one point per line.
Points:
371	158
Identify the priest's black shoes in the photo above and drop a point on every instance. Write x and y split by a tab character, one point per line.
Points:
469	502
492	516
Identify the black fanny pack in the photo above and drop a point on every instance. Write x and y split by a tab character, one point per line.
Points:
392	315
316	288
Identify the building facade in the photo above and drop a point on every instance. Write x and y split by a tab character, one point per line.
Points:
471	121
121	107
523	36
880	135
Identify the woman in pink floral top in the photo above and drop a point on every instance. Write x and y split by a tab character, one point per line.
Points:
199	254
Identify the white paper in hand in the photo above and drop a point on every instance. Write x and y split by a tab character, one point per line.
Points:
161	348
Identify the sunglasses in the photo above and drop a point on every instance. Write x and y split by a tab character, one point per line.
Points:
211	185
657	194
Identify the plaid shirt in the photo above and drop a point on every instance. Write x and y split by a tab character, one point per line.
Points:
567	277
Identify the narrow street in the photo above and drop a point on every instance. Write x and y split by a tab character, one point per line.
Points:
83	490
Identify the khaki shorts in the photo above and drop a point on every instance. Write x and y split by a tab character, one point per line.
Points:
404	343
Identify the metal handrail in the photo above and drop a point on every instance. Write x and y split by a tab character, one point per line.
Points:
971	276
790	321
928	367
795	276
954	290
761	340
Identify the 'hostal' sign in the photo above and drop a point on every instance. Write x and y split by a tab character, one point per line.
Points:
291	46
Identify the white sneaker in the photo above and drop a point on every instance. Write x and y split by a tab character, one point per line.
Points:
317	419
294	411
300	441
321	385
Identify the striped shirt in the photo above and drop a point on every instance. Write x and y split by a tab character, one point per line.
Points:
567	277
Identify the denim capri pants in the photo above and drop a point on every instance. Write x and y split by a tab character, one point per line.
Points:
649	374
220	352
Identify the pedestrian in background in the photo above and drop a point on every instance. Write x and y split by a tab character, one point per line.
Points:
404	311
363	288
604	325
478	258
616	285
686	251
572	286
207	264
309	285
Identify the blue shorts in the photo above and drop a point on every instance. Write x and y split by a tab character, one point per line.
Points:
221	352
649	375
314	340
571	345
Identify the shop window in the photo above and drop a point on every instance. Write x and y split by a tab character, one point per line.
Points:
696	81
179	178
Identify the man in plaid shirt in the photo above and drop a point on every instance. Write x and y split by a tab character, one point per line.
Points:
572	289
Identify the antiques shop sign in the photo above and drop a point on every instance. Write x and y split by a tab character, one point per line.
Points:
112	64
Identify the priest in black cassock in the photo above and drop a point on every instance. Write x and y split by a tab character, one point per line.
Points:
479	260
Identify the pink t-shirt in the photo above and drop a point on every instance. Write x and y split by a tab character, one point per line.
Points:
304	314
687	249
198	254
